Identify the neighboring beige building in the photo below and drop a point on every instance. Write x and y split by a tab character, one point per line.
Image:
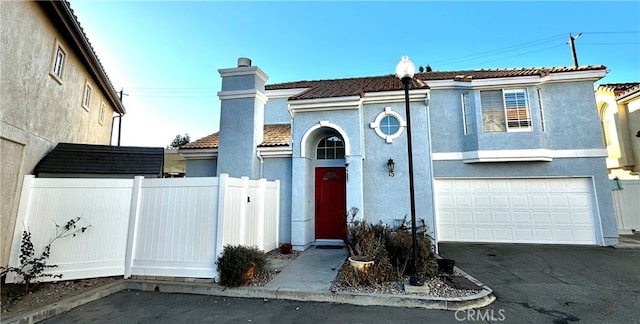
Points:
619	109
54	89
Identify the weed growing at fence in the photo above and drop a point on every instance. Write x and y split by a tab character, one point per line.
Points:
33	267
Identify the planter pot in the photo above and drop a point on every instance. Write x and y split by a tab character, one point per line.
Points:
446	265
360	265
248	275
285	248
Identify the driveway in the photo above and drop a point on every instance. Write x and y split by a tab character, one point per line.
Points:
563	284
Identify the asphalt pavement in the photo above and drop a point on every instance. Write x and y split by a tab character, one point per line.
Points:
532	283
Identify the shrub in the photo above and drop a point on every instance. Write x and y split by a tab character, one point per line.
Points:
363	241
236	261
400	247
33	267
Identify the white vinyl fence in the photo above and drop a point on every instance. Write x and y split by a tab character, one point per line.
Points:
173	227
626	202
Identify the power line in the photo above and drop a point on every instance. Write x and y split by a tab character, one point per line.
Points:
500	50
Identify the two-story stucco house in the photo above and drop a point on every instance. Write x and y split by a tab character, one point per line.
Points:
619	109
508	155
54	89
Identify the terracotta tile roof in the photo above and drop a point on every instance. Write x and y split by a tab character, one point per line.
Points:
620	89
359	86
274	135
207	142
630	91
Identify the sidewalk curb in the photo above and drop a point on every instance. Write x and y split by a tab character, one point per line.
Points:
67	304
481	299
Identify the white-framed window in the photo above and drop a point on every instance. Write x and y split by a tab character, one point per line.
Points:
505	110
330	148
58	62
467	114
102	113
540	107
86	96
388	124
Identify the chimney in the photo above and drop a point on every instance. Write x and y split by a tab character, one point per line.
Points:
242	101
244	62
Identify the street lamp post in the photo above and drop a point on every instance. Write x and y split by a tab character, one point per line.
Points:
405	71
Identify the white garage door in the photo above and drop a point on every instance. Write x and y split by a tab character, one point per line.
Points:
557	211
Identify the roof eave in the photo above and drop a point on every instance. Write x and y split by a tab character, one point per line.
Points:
63	17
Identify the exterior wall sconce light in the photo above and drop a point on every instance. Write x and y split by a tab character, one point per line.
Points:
391	167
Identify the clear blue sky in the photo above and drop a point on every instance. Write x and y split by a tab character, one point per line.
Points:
166	55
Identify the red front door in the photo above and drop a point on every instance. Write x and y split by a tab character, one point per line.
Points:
330	203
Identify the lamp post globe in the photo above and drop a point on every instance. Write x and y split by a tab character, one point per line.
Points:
405	70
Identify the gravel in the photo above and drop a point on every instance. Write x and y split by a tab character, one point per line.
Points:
434	287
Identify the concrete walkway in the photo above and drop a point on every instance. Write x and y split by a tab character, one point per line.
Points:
313	270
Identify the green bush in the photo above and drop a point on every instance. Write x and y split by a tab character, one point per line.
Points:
237	260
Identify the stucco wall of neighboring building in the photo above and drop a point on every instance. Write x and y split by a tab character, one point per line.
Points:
38	111
634	122
620	122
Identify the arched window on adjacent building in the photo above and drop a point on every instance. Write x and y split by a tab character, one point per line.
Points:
330	148
610	134
608	125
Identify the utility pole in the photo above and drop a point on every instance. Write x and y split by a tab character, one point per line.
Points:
120	117
573	48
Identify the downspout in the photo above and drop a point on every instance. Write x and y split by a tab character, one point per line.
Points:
433	178
261	163
119	127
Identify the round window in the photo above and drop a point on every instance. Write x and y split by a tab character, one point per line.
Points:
389	125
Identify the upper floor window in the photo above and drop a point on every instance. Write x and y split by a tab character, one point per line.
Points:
330	147
59	62
467	114
388	124
86	97
505	111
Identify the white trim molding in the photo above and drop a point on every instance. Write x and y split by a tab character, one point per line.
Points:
247	70
394	96
243	94
284	93
543	155
340	103
376	125
275	151
198	154
328	124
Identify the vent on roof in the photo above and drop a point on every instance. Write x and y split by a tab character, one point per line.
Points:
244	62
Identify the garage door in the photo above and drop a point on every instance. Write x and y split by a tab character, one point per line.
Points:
556	211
